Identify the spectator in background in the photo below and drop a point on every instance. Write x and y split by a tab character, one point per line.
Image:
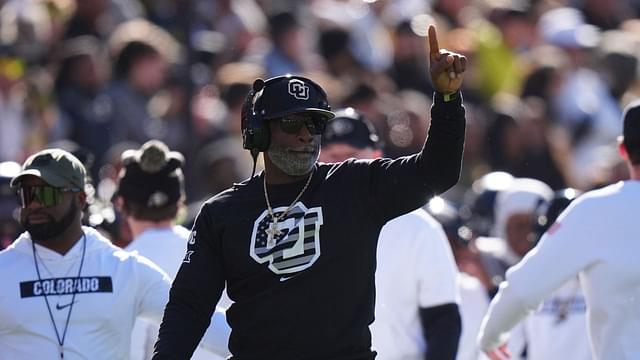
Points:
606	14
10	228
334	48
452	12
286	54
368	40
86	112
142	54
150	197
510	241
478	208
26	28
91	17
24	36
239	21
13	133
408	60
558	328
519	141
501	38
473	296
114	225
417	299
583	102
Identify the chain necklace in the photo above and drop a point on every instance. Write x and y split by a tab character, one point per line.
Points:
273	229
73	297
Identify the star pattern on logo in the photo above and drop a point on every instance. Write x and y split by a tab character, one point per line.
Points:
264	229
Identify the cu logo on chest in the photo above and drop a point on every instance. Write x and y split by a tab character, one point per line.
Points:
298	89
292	245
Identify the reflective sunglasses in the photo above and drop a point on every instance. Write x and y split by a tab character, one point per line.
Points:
46	195
291	124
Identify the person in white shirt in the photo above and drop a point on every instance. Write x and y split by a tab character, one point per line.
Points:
474	300
150	195
595	239
510	236
67	292
558	328
416	312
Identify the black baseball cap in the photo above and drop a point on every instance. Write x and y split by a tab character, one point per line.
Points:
352	128
631	127
289	94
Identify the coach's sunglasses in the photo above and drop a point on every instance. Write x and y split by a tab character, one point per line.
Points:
46	195
292	123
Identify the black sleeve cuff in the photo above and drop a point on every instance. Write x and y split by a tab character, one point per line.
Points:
447	107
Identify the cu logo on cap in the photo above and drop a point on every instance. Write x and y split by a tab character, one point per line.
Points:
298	89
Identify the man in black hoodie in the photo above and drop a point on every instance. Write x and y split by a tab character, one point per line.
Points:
295	246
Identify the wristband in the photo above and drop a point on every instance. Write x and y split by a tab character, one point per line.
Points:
450	97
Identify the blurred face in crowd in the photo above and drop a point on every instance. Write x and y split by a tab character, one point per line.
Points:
292	43
149	73
88	73
9	229
519	232
92	9
295	146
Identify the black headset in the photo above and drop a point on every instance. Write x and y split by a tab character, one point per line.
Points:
256	135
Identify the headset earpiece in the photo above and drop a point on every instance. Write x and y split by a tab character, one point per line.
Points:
255	134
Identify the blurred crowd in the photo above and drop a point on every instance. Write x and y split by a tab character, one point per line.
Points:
544	91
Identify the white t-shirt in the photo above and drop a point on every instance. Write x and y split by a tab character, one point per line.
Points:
474	302
166	247
558	329
115	287
415	269
596	237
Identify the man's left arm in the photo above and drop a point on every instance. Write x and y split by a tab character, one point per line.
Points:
406	183
441	157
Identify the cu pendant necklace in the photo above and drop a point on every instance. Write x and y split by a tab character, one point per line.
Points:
273	231
73	297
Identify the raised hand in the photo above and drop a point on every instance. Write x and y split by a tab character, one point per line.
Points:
445	67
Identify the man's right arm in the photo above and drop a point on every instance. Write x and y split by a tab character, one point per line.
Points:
194	293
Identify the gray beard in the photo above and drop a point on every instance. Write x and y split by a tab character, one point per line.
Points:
294	164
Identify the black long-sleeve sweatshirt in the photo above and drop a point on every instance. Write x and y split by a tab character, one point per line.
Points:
310	293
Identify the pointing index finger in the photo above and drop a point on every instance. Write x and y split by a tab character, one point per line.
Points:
434	49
